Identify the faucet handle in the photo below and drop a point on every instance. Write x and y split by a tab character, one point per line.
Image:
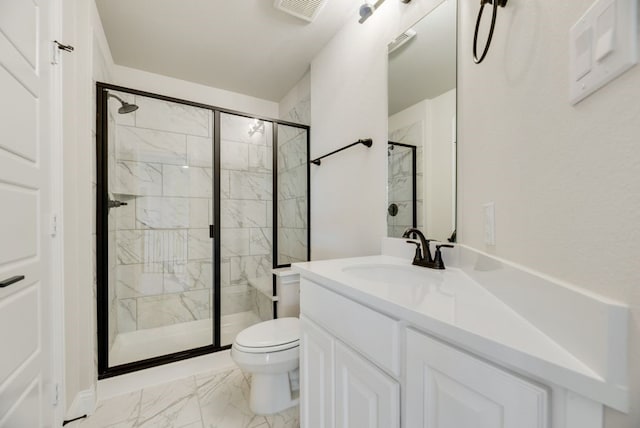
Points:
418	255
437	258
444	245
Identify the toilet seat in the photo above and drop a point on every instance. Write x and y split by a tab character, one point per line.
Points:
266	349
269	336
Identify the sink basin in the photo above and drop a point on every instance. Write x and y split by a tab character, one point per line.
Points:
395	274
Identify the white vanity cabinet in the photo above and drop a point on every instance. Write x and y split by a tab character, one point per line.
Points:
341	389
447	388
365	396
317	374
347	351
347	382
479	345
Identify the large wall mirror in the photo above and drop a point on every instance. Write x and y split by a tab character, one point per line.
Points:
421	185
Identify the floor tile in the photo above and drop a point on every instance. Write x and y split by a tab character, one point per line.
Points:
209	400
224	401
170	405
290	418
120	411
193	425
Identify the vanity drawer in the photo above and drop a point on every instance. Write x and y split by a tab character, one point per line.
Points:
373	334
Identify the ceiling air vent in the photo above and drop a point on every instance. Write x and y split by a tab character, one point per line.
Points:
303	9
402	39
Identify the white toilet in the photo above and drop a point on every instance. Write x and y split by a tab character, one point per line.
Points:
270	352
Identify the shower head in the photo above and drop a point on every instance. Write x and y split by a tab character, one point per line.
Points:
126	107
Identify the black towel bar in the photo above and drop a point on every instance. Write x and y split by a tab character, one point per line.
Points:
366	141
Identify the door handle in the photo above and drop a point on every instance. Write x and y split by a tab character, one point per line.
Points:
7	282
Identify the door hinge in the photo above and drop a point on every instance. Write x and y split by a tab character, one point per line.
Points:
55	394
53	225
212	233
57	47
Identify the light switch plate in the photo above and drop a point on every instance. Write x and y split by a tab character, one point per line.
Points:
602	46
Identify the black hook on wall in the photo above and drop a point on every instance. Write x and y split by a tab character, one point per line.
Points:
495	3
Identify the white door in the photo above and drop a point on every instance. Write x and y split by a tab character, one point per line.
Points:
316	376
25	320
365	396
447	388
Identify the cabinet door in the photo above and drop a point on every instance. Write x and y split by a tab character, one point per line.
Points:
447	388
365	396
316	376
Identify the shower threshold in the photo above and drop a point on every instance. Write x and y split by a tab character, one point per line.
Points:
153	342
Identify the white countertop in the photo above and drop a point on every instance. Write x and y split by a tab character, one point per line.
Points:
451	305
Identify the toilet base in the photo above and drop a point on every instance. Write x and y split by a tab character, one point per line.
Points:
270	393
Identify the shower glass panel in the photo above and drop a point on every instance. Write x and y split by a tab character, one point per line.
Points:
403	206
293	200
246	225
160	254
185	231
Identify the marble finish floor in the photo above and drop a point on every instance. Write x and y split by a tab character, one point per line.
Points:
210	400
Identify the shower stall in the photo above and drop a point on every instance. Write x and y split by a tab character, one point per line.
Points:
196	205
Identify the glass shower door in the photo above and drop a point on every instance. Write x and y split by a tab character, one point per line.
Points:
293	195
160	206
246	223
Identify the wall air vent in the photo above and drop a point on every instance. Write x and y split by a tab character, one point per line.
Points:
303	9
402	39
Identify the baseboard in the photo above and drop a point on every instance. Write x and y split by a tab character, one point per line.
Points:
84	403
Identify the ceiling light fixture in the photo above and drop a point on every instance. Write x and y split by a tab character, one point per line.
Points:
257	126
367	9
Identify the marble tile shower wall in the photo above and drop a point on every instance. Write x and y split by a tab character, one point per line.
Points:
292	184
292	195
162	169
112	263
399	181
246	206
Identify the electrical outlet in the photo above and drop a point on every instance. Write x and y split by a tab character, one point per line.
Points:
489	223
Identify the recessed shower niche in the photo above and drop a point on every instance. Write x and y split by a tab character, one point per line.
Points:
195	207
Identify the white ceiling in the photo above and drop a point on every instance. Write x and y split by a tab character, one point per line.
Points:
425	66
245	46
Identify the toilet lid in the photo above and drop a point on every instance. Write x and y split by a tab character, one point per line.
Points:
270	333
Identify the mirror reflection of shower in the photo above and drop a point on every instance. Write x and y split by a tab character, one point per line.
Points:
126	107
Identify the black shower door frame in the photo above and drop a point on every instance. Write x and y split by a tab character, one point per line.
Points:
102	226
414	184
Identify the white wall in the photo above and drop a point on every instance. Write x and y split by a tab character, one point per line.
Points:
564	179
348	102
169	86
90	58
438	163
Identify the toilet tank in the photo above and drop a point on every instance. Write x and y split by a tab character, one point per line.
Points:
288	292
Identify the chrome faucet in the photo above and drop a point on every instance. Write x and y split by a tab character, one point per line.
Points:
426	261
